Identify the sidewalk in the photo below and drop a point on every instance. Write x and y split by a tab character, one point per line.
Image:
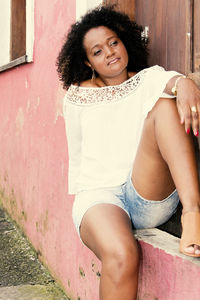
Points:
22	276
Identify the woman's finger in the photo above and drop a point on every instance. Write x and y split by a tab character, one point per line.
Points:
188	120
198	109
180	112
185	115
195	120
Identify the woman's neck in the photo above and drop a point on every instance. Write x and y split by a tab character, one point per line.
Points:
98	82
106	81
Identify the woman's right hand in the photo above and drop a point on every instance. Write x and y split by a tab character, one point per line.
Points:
188	104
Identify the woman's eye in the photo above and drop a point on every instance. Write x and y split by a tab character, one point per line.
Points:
114	43
97	52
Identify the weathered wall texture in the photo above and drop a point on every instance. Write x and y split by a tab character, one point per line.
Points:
33	169
165	273
33	151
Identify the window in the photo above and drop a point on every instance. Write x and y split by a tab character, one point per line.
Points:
16	32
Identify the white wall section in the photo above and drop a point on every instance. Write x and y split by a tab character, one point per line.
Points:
83	5
5	12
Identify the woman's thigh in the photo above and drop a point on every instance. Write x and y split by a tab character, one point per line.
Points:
107	230
160	161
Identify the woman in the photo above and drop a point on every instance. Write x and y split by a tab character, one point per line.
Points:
130	150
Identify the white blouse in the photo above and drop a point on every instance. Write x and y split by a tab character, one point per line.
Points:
104	126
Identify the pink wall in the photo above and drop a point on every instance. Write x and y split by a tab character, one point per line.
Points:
165	276
33	151
33	173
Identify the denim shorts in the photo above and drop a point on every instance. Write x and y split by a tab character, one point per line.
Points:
142	212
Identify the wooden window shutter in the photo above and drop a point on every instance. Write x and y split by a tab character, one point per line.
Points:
18	29
196	38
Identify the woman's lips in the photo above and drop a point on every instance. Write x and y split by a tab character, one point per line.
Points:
113	61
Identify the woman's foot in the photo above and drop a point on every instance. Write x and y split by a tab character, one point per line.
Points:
193	249
190	239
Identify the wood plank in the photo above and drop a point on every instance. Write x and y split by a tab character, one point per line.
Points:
151	14
126	6
170	31
196	45
18	29
179	35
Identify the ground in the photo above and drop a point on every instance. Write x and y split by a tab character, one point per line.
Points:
22	276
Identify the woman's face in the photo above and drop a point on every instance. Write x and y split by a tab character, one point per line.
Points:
105	52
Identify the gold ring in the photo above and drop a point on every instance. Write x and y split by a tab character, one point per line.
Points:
194	109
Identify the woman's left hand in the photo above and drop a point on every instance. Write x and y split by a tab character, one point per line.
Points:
188	104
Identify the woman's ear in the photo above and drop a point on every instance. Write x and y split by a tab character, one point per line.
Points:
88	64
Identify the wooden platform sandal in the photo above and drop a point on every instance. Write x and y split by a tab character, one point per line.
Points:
190	232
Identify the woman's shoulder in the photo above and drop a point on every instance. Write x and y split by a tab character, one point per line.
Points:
82	93
87	83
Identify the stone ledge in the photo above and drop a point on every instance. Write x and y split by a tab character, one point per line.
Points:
166	274
164	241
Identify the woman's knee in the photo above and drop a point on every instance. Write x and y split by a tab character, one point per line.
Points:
121	261
164	110
164	116
165	107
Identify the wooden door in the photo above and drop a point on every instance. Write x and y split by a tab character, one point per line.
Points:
126	6
196	36
173	28
170	31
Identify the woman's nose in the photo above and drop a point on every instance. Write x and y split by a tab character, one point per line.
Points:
109	52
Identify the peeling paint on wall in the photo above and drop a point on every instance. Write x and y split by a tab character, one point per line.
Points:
33	151
19	121
42	224
81	271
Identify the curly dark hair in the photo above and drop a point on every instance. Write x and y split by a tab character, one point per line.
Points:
70	63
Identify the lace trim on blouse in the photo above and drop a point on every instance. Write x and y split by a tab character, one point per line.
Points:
85	96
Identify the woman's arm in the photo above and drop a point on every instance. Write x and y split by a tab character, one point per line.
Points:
71	115
188	101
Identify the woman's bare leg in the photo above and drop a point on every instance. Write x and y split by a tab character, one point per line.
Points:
166	159
106	230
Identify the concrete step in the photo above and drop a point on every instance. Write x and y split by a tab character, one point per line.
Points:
166	274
